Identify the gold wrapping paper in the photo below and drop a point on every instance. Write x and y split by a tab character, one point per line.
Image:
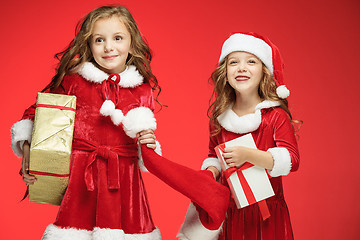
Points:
50	148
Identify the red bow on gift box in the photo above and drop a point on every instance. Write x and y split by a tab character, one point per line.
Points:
244	184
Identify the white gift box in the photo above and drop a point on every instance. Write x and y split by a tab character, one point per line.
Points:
255	185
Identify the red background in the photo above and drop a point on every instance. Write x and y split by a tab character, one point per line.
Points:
319	41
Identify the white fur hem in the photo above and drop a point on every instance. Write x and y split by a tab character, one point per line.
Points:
129	78
247	123
53	232
117	234
141	161
20	132
282	162
211	162
137	120
192	228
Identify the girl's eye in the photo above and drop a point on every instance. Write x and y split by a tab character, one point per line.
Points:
252	61
232	62
118	38
99	40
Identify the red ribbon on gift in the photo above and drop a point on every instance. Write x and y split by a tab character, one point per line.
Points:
55	106
48	174
264	210
110	154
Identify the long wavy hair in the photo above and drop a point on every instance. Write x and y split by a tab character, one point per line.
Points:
223	96
78	51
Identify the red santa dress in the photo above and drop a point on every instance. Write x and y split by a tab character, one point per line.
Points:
102	202
272	131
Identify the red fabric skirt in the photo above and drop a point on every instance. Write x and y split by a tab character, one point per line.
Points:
247	224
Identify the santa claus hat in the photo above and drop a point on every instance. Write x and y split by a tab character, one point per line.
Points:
262	48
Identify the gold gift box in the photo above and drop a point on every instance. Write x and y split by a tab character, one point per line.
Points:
50	148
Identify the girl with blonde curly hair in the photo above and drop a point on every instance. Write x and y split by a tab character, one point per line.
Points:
250	98
107	67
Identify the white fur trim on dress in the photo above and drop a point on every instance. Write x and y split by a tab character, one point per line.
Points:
211	162
192	228
117	234
53	232
282	162
282	91
247	123
129	78
20	132
140	159
137	120
250	44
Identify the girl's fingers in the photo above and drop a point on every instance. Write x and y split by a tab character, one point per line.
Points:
147	141
29	179
152	146
145	132
228	162
228	149
147	136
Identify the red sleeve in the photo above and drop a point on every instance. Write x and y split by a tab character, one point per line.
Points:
212	144
147	98
284	137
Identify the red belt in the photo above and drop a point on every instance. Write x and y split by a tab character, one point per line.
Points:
110	154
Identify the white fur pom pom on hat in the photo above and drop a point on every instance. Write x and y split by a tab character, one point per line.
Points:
282	91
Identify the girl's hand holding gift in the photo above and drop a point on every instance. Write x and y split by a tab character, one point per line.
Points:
237	156
27	178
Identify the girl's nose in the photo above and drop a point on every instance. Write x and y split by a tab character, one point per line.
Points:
241	67
108	47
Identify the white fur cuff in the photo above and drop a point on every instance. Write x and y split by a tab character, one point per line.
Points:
53	232
211	162
20	132
282	162
137	120
141	161
192	228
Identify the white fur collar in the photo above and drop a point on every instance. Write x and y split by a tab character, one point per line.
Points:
130	77
247	123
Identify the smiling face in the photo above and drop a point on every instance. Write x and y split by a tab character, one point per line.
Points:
110	44
244	72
